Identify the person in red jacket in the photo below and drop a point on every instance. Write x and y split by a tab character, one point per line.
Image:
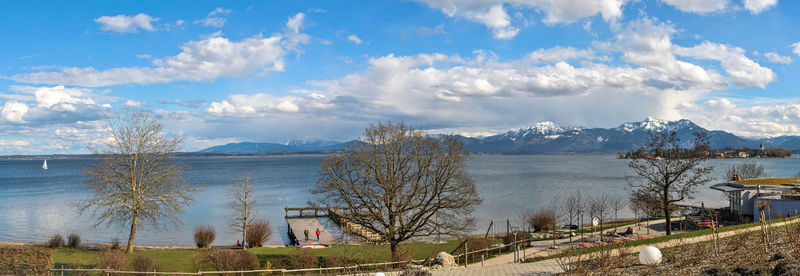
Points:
318	232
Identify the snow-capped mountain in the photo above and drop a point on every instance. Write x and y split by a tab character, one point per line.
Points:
546	137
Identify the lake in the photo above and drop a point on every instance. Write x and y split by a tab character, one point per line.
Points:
36	203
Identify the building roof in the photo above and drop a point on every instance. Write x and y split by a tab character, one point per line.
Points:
770	181
727	187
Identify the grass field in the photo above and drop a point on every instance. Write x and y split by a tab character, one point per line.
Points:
181	259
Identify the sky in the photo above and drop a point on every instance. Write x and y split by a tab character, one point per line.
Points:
218	72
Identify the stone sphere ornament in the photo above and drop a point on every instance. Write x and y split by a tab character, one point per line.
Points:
650	255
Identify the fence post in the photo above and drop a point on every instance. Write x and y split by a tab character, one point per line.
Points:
466	253
62	271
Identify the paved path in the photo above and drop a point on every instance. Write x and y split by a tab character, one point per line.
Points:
543	248
547	267
298	225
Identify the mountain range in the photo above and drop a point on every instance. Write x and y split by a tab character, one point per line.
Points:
543	137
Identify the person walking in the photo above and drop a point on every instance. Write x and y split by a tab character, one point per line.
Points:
306	233
318	232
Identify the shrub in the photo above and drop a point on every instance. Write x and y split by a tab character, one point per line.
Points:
750	270
786	267
25	261
403	254
112	259
56	241
144	263
258	232
716	271
477	244
115	243
303	258
541	220
226	259
204	236
74	240
332	260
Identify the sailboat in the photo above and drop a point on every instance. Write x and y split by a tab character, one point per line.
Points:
44	166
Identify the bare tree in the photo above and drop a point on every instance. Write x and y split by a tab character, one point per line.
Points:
554	208
242	204
573	208
401	183
600	206
745	171
617	204
581	209
134	183
671	173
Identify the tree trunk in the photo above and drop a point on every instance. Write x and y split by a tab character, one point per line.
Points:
244	236
669	220
133	233
393	248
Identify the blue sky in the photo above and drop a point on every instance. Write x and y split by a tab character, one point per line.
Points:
231	71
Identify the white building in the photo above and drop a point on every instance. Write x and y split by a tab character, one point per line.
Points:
782	195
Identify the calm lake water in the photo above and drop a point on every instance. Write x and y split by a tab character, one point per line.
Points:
36	203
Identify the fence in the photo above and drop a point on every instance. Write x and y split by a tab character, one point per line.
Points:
388	266
354	268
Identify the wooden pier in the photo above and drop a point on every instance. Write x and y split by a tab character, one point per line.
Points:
302	218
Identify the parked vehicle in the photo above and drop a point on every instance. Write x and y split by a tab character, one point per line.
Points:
569	226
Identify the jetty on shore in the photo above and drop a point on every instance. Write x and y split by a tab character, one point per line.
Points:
308	218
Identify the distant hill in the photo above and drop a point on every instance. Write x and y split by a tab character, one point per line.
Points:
544	137
293	147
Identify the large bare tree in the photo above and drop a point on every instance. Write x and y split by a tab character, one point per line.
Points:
242	206
400	183
745	170
670	172
134	182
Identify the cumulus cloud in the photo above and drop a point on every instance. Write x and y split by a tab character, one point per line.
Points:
742	70
125	23
700	7
215	18
202	60
52	105
757	6
796	48
640	64
353	38
766	118
776	58
494	13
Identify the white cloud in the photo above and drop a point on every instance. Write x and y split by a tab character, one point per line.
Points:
559	53
215	18
52	105
701	7
438	91
13	111
742	70
203	60
796	48
133	103
354	39
757	6
126	24
766	118
775	57
494	14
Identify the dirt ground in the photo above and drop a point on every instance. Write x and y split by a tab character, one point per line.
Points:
742	254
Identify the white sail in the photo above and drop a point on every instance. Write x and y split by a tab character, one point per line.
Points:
44	166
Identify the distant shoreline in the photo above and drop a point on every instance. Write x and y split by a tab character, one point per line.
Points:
202	155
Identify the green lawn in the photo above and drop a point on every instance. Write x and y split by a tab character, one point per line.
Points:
181	259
